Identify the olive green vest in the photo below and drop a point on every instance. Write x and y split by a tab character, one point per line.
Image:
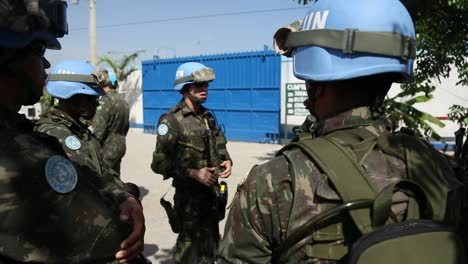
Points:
428	172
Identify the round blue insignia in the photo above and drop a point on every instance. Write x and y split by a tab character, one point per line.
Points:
162	129
73	143
60	174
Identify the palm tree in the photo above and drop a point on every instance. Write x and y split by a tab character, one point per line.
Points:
123	67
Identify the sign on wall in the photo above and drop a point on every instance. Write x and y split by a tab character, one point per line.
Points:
296	94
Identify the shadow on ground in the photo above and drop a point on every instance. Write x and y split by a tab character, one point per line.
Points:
143	192
269	156
165	256
150	250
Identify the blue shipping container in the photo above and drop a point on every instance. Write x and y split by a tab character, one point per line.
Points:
245	97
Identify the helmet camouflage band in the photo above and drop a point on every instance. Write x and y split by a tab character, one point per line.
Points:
23	21
202	75
192	72
22	17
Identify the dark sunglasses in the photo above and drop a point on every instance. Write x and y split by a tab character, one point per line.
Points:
35	48
201	84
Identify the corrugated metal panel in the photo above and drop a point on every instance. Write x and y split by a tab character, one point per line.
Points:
245	97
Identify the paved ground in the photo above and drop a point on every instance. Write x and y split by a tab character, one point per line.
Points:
160	240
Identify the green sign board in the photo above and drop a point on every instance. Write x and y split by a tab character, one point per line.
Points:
296	94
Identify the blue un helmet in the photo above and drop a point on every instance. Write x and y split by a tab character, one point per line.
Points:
113	79
71	77
192	72
340	40
25	21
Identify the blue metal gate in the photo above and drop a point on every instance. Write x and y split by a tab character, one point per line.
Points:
245	97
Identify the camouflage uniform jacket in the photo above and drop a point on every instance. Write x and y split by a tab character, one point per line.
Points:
77	140
269	205
41	225
110	125
182	143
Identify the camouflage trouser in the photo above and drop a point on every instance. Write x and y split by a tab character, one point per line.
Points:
113	151
199	235
201	250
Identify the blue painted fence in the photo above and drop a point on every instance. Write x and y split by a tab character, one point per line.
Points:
245	97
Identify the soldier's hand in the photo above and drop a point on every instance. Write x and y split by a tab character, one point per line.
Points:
131	211
204	176
227	171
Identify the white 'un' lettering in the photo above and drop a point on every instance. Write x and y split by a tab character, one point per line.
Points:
315	20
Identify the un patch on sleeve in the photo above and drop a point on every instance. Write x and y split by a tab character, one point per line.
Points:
73	143
60	174
163	129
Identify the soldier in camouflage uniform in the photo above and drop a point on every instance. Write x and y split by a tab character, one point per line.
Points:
76	101
184	152
346	87
111	124
51	211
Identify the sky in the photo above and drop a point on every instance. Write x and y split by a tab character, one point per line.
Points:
175	28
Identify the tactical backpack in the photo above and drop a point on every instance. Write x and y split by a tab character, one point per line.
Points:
422	237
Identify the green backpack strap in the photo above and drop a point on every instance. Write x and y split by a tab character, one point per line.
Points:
348	178
354	188
357	200
381	209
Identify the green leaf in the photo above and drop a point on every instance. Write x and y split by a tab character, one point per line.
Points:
419	99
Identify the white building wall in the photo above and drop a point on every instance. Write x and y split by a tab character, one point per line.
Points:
131	91
287	76
447	93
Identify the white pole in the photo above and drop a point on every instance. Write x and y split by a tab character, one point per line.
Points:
92	31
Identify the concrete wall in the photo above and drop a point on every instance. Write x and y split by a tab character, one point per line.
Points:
131	90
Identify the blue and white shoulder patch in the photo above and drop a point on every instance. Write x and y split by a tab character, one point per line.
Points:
163	129
73	143
60	174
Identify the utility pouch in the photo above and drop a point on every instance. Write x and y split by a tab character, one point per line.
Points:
412	241
171	215
212	155
221	192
